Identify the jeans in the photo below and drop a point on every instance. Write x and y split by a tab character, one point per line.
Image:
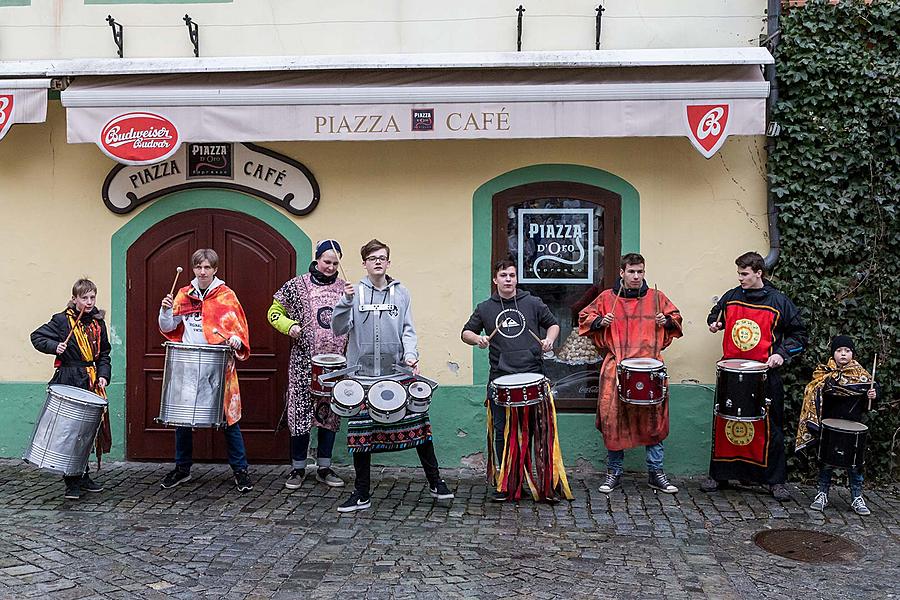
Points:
362	464
300	448
234	443
615	458
855	476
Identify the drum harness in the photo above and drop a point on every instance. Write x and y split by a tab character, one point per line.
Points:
380	308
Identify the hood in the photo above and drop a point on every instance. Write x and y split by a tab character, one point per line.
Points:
626	293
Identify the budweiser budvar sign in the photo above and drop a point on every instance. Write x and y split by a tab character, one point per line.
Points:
707	126
6	108
139	138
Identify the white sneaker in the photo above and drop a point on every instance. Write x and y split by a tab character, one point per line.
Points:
859	506
820	502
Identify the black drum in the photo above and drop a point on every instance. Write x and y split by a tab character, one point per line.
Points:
741	389
843	443
848	402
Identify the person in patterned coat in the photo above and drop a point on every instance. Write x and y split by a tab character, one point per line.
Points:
302	309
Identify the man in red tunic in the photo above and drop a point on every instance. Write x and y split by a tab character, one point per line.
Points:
631	321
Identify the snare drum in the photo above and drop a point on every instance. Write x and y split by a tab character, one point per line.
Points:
419	397
65	430
323	364
741	389
386	401
193	386
521	389
843	443
642	381
347	398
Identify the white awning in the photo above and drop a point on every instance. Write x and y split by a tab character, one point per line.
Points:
419	103
22	101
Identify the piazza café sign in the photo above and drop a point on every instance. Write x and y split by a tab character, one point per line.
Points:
247	168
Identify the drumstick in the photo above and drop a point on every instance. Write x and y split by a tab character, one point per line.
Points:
656	299
493	333
178	271
616	301
343	275
534	335
219	333
71	331
872	383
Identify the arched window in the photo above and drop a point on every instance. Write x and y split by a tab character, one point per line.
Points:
565	238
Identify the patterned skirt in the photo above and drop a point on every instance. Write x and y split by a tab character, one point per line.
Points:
366	435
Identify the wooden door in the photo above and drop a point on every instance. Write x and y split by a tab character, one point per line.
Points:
254	260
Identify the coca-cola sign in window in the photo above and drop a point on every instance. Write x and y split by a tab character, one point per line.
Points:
139	138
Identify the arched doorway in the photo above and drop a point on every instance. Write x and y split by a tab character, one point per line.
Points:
254	261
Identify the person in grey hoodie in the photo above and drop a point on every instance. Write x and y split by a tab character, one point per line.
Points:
376	316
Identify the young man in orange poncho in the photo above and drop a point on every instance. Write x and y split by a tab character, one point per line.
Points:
208	312
631	321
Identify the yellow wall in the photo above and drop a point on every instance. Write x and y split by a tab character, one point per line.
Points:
696	216
73	29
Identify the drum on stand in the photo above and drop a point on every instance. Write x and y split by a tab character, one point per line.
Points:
741	389
193	387
520	389
322	364
65	430
642	381
843	443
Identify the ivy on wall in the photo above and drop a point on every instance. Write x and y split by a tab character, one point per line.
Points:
834	171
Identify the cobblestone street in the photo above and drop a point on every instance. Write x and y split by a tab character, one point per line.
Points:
203	539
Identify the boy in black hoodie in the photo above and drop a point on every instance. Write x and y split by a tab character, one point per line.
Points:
512	319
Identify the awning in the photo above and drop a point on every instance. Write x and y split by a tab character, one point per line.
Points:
22	101
422	103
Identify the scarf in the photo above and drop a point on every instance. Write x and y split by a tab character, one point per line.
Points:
320	278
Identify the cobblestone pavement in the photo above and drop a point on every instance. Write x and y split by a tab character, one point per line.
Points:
203	539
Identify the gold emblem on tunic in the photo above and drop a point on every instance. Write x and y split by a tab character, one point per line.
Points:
745	333
739	433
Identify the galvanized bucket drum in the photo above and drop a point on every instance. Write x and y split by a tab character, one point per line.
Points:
65	430
193	387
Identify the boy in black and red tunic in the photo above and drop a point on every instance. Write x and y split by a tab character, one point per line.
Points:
761	324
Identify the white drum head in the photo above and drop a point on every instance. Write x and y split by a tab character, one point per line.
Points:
843	425
387	396
641	364
518	380
76	394
348	393
329	360
741	365
419	389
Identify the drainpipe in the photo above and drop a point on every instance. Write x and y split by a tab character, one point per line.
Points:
773	14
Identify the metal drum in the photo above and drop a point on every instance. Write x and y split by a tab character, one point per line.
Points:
386	401
741	389
419	397
322	364
65	430
642	381
520	389
193	388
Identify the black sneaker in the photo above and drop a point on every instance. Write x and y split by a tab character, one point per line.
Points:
89	485
612	481
295	479
175	477
658	480
73	490
499	496
328	477
713	485
355	502
242	481
441	491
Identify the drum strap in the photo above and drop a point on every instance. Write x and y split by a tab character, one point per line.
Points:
376	307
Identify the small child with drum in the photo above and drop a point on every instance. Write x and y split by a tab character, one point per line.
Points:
834	403
77	337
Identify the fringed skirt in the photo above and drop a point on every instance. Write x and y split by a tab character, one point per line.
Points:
531	454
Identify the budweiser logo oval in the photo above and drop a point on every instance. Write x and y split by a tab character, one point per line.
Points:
139	138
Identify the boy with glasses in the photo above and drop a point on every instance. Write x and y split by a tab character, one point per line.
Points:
376	316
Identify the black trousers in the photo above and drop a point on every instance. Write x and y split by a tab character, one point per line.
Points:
362	465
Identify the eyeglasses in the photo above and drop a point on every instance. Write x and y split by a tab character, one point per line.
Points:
377	259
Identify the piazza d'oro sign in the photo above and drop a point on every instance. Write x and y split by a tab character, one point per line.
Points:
245	168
